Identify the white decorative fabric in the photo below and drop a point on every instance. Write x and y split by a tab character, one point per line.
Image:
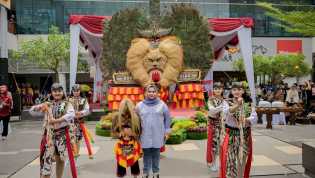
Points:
220	41
226	33
93	42
90	33
94	45
245	41
3	33
74	51
209	81
278	119
264	104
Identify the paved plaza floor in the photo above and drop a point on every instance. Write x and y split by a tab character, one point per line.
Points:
277	154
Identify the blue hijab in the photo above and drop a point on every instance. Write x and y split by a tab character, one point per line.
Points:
151	102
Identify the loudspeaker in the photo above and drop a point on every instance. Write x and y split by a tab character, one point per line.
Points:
4	77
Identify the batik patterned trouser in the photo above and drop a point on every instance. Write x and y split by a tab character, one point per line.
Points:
78	132
59	148
216	138
233	161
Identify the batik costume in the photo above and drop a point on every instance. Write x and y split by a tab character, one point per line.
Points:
56	140
127	155
80	131
236	149
215	107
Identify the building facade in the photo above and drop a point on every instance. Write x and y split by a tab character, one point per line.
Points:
34	17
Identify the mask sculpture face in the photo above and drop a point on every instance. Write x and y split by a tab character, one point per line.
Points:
159	62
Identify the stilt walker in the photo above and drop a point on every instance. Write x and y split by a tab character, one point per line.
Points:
215	126
56	142
82	109
236	149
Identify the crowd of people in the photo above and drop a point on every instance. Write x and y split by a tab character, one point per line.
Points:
143	129
294	95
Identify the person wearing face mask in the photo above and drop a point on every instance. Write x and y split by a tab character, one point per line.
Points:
155	123
216	123
56	140
236	148
5	109
82	109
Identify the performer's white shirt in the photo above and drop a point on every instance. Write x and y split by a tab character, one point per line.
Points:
86	109
68	116
214	111
232	122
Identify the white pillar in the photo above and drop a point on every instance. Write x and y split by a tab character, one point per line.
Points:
74	51
245	41
3	33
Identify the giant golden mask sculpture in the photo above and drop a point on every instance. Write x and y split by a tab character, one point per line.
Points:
158	61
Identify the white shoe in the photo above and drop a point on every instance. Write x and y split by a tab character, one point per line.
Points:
4	138
214	168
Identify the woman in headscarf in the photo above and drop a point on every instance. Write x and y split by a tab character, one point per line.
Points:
155	125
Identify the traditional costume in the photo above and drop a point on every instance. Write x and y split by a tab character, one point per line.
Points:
236	149
82	109
127	153
126	116
56	140
215	125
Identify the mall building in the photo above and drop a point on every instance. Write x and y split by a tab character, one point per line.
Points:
29	19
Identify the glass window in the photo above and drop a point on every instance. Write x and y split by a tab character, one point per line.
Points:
36	16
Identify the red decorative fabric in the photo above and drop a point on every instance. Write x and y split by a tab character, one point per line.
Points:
228	24
223	154
71	156
250	156
87	141
210	155
92	23
42	148
95	23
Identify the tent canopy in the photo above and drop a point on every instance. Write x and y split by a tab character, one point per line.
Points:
89	31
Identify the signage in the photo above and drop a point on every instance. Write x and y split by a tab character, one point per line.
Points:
289	46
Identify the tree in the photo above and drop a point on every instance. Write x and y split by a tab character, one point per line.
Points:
300	20
186	24
277	67
50	54
118	34
192	29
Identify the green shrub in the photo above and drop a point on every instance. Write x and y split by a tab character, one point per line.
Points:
177	137
102	132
